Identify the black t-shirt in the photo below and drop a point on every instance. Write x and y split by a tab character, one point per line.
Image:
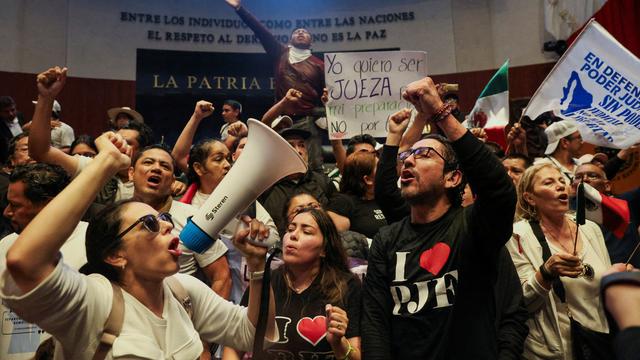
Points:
301	319
427	269
365	215
428	293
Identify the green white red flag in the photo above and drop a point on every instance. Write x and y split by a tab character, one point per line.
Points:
491	110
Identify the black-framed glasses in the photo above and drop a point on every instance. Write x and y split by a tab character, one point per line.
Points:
419	153
150	222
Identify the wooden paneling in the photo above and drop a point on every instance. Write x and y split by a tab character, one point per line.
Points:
84	101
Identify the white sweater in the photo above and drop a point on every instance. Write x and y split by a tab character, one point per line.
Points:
548	315
73	308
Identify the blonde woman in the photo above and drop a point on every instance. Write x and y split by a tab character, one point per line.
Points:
542	249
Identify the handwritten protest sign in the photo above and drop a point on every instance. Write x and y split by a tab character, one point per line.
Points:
366	87
597	84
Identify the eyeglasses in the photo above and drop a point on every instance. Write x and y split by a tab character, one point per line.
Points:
591	176
150	222
419	153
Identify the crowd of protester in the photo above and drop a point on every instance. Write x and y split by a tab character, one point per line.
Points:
432	244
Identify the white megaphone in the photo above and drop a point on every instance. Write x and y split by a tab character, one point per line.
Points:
266	159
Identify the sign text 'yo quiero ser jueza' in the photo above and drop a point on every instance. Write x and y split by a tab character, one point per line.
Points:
366	87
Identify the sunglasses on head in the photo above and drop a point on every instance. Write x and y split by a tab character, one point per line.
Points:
150	222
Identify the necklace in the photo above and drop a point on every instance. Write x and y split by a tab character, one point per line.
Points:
556	237
587	270
301	288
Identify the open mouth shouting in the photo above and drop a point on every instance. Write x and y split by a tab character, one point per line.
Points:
174	247
406	177
154	181
564	198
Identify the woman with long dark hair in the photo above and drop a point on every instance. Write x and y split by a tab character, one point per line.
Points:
317	297
130	251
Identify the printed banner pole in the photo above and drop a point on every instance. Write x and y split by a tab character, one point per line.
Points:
596	84
556	66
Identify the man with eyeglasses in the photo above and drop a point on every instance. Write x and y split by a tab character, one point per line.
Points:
31	188
428	293
619	248
563	147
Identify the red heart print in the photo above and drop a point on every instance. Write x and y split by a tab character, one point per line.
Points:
312	330
434	259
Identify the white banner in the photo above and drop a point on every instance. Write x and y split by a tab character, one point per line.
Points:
597	84
366	87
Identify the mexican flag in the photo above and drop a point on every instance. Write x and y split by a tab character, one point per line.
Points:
607	211
491	110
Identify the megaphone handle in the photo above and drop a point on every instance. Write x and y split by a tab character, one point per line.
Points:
243	226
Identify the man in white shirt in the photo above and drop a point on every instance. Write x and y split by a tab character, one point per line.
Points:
42	149
61	134
31	188
9	125
231	111
152	174
564	143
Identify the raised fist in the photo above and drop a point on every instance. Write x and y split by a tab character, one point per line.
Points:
203	109
51	82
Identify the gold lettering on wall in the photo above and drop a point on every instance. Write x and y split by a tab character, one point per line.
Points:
212	82
231	83
155	82
191	80
254	84
171	83
205	83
